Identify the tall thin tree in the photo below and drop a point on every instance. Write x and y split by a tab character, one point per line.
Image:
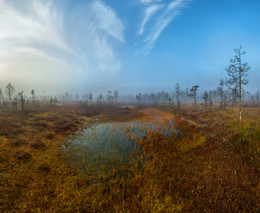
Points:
237	72
9	91
1	95
205	98
21	99
220	90
193	93
33	97
178	93
116	93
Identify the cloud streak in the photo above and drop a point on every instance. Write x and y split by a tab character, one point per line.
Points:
149	1
42	39
149	12
171	11
107	20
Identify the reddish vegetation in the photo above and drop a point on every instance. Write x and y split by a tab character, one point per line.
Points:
213	166
221	175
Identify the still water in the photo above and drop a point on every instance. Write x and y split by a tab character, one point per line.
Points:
110	145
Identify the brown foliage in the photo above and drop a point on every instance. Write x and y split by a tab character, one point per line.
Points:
212	166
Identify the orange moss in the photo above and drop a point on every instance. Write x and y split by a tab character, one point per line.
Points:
200	170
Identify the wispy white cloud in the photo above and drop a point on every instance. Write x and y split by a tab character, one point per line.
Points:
108	21
18	26
38	39
149	1
171	11
149	12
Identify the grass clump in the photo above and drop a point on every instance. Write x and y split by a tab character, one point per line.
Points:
38	145
22	156
203	168
17	142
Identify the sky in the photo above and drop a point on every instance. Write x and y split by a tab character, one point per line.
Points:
82	45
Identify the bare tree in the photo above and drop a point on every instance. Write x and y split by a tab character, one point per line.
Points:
257	95
51	100
100	98
139	98
237	72
220	90
178	93
15	103
1	96
193	93
116	93
33	97
21	100
109	96
9	91
90	97
210	100
205	98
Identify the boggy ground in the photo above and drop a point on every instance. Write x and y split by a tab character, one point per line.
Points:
34	175
213	166
218	172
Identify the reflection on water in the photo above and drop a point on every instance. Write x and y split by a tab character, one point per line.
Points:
111	145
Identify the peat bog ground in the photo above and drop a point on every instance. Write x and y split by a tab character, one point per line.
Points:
183	161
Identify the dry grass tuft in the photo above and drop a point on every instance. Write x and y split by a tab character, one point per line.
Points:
17	142
38	145
22	156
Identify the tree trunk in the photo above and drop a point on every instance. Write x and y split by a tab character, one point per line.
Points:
240	89
222	101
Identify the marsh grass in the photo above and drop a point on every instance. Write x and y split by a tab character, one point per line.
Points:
106	146
203	169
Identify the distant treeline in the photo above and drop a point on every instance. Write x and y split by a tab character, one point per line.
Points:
229	92
179	96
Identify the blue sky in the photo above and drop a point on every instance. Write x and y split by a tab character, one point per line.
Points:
86	44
